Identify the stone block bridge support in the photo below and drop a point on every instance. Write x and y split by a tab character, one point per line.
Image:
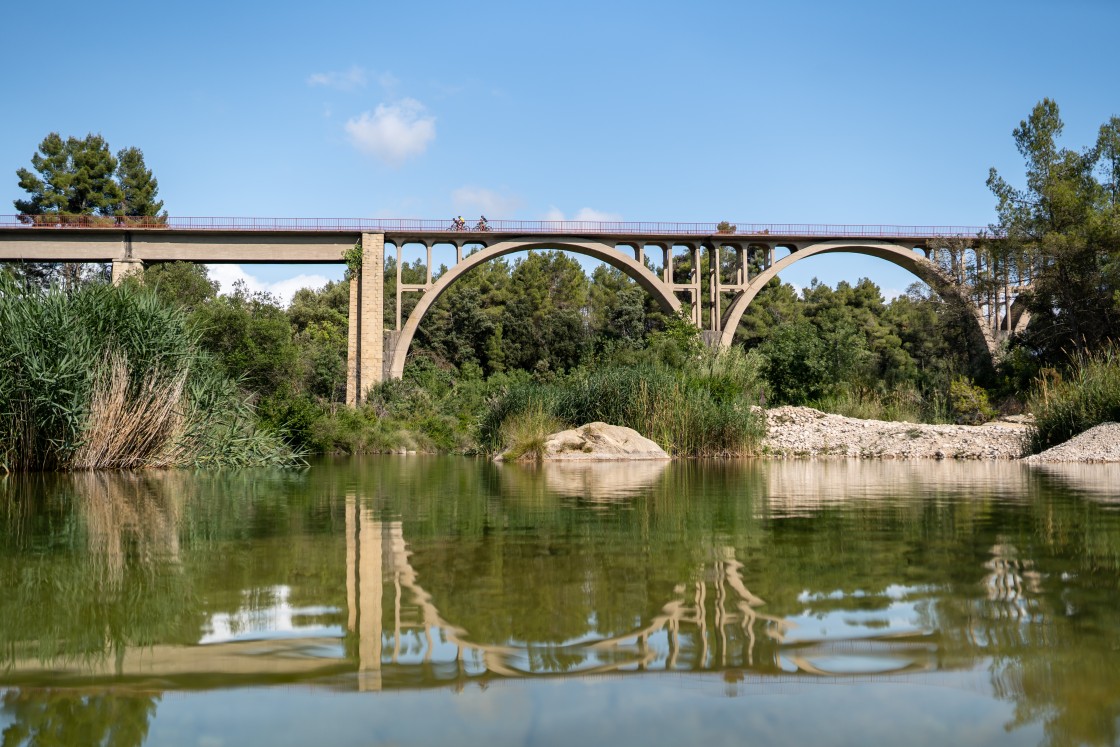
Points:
365	353
123	268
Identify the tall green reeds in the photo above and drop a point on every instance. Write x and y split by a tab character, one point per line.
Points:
703	409
1088	394
110	377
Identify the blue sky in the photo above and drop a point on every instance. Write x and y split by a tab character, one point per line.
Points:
800	111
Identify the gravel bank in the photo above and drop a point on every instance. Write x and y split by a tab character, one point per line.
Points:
1098	444
805	432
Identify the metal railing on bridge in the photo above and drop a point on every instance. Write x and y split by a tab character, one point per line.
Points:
417	225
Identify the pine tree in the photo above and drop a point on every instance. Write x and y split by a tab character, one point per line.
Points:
75	177
75	180
138	186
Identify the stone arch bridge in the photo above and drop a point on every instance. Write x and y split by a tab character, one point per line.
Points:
712	275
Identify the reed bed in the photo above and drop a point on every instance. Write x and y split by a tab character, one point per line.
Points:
106	377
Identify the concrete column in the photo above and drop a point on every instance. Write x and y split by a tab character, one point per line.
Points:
123	268
716	268
372	321
697	285
365	354
400	297
353	342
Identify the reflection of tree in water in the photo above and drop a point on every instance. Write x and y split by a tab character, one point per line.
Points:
1056	659
48	717
1073	696
110	578
1047	624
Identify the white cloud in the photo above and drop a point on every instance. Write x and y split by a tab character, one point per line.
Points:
583	214
283	290
590	214
469	199
347	80
393	132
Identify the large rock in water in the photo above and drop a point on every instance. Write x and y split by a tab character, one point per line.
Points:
601	442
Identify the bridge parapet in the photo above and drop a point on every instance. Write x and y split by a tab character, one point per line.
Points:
426	227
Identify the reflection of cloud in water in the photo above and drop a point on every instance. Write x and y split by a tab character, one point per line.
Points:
798	486
274	618
602	481
1101	481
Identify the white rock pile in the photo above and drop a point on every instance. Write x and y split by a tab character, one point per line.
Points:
805	432
1098	444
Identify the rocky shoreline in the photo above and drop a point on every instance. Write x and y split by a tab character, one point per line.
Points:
802	432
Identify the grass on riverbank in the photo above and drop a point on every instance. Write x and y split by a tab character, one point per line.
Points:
698	407
703	409
107	377
904	405
1065	405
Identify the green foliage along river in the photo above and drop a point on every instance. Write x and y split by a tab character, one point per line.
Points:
445	600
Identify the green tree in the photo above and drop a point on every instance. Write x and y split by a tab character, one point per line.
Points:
796	363
462	324
75	177
620	311
137	185
543	323
776	304
320	326
252	338
185	284
1065	225
80	180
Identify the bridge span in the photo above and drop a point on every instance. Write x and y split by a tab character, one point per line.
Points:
666	259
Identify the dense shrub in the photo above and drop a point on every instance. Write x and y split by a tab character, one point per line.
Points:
700	410
1087	395
969	403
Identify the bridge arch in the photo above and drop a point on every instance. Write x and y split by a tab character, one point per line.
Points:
907	259
653	285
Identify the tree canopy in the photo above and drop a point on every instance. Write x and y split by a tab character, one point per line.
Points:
80	176
1064	225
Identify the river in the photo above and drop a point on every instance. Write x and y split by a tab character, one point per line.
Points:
442	600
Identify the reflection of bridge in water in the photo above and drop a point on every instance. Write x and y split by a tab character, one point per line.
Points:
713	623
396	637
395	630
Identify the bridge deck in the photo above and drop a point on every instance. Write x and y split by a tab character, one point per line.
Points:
296	240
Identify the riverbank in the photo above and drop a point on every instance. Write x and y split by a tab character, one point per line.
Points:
1098	444
800	432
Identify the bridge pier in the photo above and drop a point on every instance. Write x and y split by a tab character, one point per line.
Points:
365	353
123	268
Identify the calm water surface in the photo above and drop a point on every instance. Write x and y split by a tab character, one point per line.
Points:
438	600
